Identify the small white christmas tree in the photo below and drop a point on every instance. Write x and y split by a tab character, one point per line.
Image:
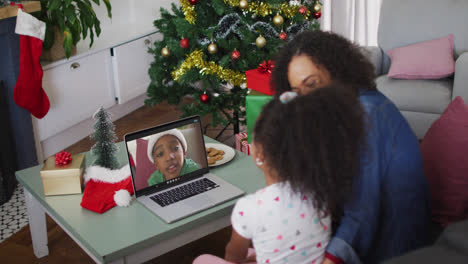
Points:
104	150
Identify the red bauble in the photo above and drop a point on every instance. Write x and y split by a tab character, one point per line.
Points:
283	36
193	2
235	55
204	98
303	10
184	43
317	15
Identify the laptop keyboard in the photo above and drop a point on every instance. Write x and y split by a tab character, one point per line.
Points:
183	192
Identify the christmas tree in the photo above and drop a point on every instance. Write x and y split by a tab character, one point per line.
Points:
104	150
208	45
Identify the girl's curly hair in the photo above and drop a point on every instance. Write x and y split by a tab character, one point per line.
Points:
344	61
314	143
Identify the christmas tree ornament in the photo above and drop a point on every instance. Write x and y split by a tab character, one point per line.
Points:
189	11
212	48
243	4
283	35
195	60
184	43
278	20
260	41
317	7
216	94
193	2
63	158
317	15
165	52
303	10
235	55
28	92
204	98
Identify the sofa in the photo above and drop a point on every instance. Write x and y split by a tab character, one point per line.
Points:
451	247
406	22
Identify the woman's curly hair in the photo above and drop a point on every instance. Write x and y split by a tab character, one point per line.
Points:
344	61
314	143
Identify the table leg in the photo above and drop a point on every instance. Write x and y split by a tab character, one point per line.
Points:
37	225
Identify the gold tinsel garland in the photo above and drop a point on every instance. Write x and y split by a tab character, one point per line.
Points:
189	11
195	59
263	9
258	8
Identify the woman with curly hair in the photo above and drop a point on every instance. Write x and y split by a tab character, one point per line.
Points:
309	168
389	212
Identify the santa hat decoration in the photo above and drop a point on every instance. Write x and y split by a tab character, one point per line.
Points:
106	188
154	138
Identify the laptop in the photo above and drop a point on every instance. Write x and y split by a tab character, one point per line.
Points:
170	170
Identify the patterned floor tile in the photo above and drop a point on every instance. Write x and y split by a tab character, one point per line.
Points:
13	215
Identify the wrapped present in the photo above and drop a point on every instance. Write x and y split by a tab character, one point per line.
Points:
63	179
245	147
254	103
239	138
259	79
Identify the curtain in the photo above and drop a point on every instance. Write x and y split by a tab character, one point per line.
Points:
356	20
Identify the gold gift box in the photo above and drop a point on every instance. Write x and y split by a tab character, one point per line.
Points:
63	179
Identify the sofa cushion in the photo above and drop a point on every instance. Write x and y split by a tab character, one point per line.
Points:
444	151
428	96
424	60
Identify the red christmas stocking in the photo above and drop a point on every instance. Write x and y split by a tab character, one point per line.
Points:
28	91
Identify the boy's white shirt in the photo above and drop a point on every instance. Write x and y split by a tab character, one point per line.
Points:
284	227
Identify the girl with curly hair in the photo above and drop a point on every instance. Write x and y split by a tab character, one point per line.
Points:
309	169
389	212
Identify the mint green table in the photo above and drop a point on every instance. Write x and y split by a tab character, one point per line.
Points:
128	234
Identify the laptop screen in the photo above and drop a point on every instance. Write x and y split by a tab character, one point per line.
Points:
165	155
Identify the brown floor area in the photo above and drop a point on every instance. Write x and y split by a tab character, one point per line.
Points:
62	249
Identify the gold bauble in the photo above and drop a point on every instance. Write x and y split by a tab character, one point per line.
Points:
260	41
165	52
243	4
317	7
278	20
212	48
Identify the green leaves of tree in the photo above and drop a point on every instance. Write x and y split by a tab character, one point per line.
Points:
218	6
67	41
70	14
75	19
53	5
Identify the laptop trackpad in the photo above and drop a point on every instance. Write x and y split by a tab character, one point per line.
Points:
199	201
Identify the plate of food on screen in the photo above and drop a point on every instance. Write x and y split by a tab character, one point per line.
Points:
218	154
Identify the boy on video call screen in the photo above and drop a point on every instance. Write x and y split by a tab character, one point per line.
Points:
167	155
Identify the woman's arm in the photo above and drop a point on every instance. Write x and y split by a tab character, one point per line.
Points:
359	224
237	248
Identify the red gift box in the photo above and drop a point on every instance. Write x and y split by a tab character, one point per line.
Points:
259	79
246	147
240	137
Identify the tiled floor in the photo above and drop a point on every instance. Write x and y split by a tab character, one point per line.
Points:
13	215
